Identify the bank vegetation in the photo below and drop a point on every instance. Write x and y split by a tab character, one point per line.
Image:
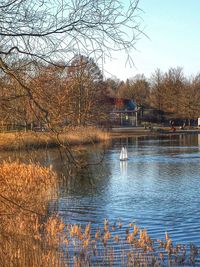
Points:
25	192
69	137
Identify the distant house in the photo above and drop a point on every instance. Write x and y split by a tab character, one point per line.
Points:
122	112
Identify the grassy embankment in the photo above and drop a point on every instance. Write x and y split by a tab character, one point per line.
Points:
28	140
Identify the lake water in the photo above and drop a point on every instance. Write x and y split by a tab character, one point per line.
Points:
158	188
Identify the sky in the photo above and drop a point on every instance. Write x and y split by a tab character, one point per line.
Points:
173	30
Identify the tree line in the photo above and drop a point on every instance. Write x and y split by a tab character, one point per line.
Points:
39	44
73	95
171	93
78	94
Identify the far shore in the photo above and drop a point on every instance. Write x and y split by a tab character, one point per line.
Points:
142	131
79	136
32	140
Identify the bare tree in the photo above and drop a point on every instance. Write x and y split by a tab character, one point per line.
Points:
137	89
190	106
167	90
53	30
50	31
157	90
112	86
87	92
174	82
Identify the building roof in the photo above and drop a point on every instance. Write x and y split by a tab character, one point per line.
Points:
122	104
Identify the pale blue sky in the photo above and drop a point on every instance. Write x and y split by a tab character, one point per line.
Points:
173	27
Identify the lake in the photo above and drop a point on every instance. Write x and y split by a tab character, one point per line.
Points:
158	188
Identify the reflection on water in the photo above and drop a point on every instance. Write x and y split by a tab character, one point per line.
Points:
157	188
123	167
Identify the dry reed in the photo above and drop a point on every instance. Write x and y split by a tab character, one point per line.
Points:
25	190
115	246
68	136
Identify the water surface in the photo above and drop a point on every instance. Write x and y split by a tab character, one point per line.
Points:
158	188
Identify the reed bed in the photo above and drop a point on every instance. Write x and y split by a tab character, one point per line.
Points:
83	135
112	245
68	136
25	191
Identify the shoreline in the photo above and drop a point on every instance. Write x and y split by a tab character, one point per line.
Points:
79	137
141	131
13	141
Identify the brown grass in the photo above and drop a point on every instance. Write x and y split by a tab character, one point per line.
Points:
25	190
112	245
69	136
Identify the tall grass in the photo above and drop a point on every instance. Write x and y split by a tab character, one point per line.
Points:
25	190
112	245
68	136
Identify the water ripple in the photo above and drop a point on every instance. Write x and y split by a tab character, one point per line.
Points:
158	189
